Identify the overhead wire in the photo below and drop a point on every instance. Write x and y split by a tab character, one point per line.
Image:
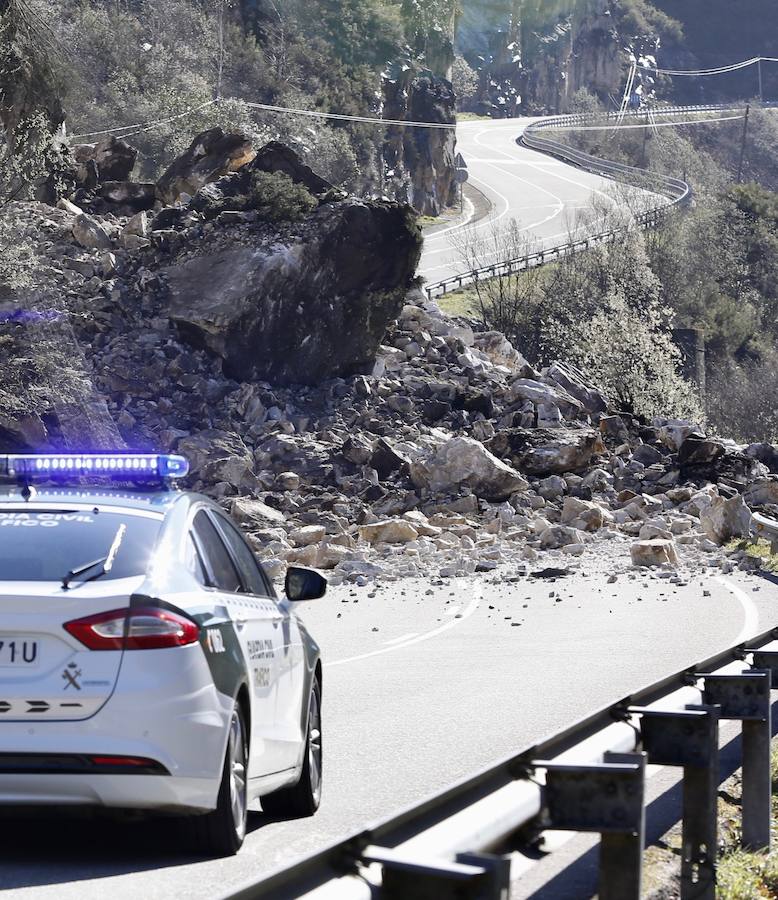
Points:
139	127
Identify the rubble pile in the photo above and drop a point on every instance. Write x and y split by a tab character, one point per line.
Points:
437	450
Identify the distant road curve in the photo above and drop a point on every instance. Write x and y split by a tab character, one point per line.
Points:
543	194
546	196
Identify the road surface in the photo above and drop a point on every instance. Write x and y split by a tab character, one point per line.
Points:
422	686
546	197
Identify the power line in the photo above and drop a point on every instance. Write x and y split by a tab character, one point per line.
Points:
721	70
368	120
144	126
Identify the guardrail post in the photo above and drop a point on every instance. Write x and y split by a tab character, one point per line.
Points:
610	799
747	697
690	739
473	876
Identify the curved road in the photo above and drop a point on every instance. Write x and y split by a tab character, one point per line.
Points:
546	197
423	685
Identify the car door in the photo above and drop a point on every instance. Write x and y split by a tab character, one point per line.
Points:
256	628
265	636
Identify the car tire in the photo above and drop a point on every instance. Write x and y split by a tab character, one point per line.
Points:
303	799
221	832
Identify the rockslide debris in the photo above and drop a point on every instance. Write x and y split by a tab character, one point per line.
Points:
345	421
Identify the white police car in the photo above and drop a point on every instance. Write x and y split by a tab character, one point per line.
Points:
145	659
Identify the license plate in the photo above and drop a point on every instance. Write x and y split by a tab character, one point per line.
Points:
18	652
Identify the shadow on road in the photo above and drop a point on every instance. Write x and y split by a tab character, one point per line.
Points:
51	847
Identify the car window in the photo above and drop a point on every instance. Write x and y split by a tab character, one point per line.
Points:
193	562
225	575
44	545
247	562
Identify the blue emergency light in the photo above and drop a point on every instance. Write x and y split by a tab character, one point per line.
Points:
118	466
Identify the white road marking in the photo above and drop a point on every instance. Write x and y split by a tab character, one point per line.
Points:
471	607
466	221
750	612
451	611
403	637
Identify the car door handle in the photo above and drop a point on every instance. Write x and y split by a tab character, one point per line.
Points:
240	624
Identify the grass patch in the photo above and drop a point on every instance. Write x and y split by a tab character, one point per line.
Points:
463	302
748	876
759	550
472	117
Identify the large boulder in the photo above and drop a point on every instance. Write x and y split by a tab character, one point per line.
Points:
501	352
540	451
390	531
655	552
211	155
216	456
725	519
89	233
462	461
311	304
584	514
541	394
576	384
762	492
110	159
278	157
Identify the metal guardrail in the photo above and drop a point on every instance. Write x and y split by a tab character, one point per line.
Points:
675	190
589	777
767	528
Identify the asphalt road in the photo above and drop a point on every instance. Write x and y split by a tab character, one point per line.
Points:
422	686
548	199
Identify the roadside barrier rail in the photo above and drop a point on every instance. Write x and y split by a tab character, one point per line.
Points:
588	777
767	528
674	192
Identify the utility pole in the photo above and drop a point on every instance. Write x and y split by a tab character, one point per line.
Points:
743	146
759	66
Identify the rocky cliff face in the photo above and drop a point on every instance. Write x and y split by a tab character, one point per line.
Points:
584	51
419	162
586	45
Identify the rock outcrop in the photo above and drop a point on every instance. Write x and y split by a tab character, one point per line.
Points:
210	155
420	162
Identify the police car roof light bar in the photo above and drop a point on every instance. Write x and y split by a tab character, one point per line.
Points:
27	467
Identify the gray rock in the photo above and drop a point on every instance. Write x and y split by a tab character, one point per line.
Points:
236	301
89	233
725	519
462	461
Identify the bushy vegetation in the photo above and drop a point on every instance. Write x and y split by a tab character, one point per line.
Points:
717	262
602	310
278	199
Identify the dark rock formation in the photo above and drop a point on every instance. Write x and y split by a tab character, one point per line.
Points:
129	197
309	304
210	155
277	157
547	451
108	160
420	161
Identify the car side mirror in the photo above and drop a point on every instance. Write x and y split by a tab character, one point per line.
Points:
304	584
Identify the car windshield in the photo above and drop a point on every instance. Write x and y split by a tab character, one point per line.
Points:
45	545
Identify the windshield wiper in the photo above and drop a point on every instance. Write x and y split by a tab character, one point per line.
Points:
80	570
105	563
